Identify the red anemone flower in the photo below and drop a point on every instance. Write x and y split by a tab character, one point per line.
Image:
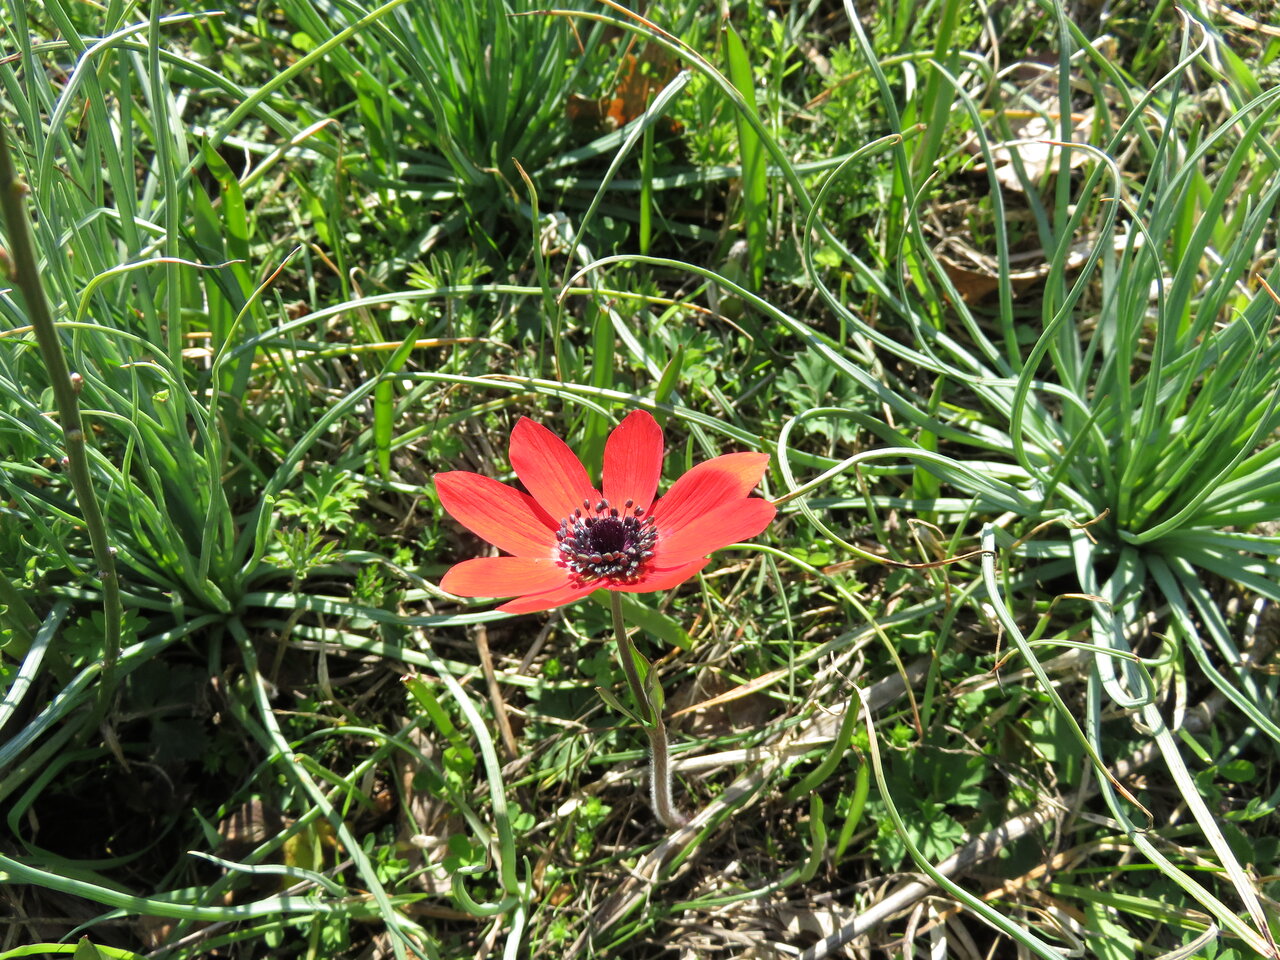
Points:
569	539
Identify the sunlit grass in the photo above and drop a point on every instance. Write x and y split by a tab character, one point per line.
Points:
1012	629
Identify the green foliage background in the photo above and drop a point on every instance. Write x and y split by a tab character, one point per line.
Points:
1013	629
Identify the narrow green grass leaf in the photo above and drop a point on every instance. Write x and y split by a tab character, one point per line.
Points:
275	870
857	804
645	236
667	383
384	399
19	684
73	949
1178	581
1139	906
596	426
755	186
15	871
839	747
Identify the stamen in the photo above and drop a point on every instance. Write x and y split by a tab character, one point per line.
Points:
601	542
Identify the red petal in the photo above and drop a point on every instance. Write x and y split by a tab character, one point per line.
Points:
633	461
503	577
716	528
709	485
662	578
548	468
502	515
550	598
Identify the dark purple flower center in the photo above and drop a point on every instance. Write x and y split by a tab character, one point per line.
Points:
601	542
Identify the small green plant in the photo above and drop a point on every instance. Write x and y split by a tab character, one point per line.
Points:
322	508
327	501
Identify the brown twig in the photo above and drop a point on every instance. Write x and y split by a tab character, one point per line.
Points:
495	692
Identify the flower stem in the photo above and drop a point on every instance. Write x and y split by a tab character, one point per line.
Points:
651	717
26	275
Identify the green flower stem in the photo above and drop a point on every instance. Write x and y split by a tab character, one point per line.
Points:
651	718
26	275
